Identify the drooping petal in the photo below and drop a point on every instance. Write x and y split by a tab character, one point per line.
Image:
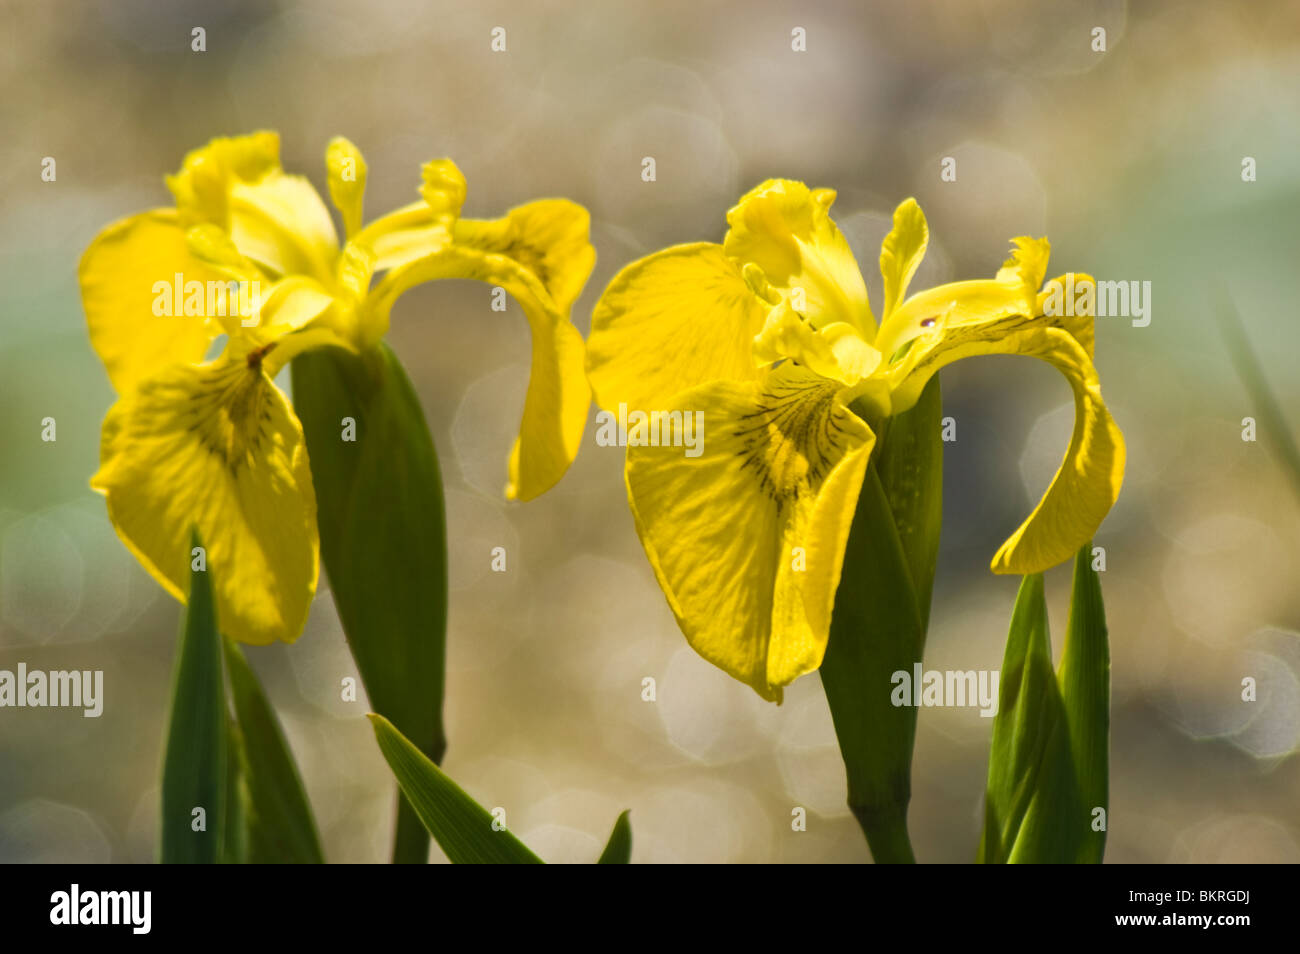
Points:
1013	292
785	229
549	237
1088	482
347	181
673	320
405	235
217	449
901	253
747	538
1069	301
555	408
131	277
423	227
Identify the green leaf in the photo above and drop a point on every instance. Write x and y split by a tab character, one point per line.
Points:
1084	677
1030	724
383	540
618	850
235	849
278	818
1048	766
1277	433
910	463
461	826
875	632
882	609
194	763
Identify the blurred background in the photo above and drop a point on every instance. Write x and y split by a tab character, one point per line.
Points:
1129	160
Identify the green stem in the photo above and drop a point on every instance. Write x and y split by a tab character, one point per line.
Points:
886	833
411	839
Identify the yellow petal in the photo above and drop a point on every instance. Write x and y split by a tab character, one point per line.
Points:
128	276
277	220
202	185
216	448
836	351
901	253
785	229
1088	482
555	408
404	235
1027	264
1078	321
550	237
347	181
423	227
290	304
680	317
747	539
281	222
1013	293
443	188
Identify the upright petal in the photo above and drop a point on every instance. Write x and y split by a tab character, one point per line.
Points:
747	538
277	220
216	448
347	181
1088	481
133	287
901	253
785	229
203	182
673	320
281	223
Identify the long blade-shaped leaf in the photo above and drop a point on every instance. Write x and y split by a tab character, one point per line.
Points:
383	539
194	782
1084	677
235	849
460	825
1048	767
875	632
909	460
278	816
1277	432
618	850
1027	726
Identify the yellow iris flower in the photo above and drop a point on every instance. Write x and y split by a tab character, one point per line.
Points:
771	336
250	251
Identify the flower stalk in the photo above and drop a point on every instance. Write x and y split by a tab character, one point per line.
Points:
879	623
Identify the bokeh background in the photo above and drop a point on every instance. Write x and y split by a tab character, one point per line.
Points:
1130	160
